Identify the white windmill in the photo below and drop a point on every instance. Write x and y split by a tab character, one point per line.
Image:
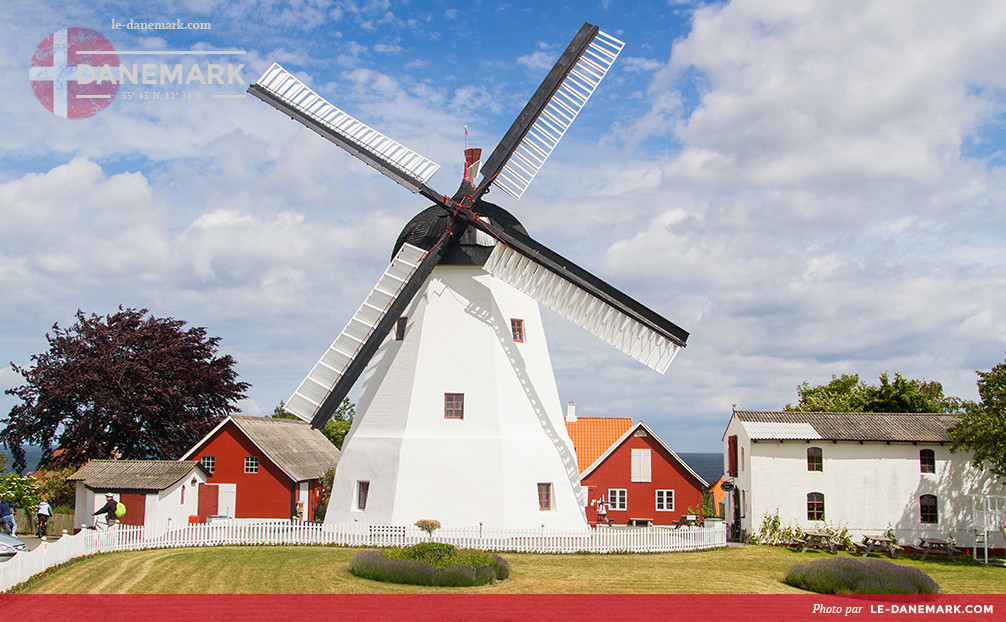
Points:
459	418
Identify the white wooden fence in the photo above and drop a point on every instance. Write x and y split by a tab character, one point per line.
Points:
242	533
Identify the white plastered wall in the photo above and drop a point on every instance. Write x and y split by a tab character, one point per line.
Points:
486	467
867	487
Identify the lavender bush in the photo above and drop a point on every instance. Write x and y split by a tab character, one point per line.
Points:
841	575
430	564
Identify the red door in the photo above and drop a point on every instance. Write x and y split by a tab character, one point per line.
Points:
208	501
136	507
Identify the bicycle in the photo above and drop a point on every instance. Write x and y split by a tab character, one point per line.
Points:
43	525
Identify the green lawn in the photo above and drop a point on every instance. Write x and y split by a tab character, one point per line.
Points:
284	570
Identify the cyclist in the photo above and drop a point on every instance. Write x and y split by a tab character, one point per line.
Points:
108	510
44	513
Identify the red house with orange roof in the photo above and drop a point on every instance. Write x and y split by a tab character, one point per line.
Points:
630	472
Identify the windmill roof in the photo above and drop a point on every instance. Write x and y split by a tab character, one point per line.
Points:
592	436
428	226
795	425
134	474
301	451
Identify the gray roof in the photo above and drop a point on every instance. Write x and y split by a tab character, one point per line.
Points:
792	425
134	474
301	451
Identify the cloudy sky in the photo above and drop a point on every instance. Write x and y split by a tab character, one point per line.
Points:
808	188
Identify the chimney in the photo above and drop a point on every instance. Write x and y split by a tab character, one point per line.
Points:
571	412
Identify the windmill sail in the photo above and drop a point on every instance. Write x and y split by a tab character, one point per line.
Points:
332	377
565	90
283	91
590	303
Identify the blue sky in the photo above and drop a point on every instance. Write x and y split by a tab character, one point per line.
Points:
810	190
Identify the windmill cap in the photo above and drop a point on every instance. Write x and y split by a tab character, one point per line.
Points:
427	227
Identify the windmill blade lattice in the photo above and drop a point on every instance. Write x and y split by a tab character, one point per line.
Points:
648	346
546	117
332	377
282	90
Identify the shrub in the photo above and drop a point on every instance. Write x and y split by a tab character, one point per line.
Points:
840	575
428	525
431	563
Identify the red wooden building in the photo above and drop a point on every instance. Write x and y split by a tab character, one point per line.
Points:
261	467
638	478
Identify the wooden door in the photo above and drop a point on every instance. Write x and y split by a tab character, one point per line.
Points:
208	500
136	507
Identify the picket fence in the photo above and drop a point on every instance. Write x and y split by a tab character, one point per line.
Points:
252	533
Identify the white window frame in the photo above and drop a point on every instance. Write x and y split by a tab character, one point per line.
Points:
642	461
661	499
618	499
209	463
251	464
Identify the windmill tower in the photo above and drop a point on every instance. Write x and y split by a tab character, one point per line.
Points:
459	418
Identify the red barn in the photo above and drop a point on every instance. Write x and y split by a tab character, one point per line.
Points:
638	478
262	467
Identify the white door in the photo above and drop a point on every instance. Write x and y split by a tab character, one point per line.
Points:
225	499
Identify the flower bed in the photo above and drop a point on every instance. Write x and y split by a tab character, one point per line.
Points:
842	575
431	563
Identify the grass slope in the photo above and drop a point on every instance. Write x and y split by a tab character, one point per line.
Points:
325	570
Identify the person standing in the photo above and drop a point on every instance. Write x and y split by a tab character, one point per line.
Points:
7	516
44	513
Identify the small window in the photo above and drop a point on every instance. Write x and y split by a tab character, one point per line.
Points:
815	506
209	463
665	500
616	499
251	464
517	328
362	492
183	495
400	328
641	465
927	461
545	497
454	406
815	459
927	508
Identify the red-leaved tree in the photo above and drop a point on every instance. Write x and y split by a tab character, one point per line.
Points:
126	385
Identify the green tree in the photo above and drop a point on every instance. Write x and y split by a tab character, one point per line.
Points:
22	491
847	393
337	427
325	481
125	385
981	428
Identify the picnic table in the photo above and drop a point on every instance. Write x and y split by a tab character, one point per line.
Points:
817	540
936	545
880	543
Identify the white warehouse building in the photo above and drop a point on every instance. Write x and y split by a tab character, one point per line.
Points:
867	472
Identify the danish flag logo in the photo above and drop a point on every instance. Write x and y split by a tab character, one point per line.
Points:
53	73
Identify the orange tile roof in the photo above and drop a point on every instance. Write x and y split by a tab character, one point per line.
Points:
592	436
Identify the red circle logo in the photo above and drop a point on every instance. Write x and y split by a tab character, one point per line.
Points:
75	73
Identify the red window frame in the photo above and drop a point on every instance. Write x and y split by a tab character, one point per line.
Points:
545	496
400	328
815	459
927	461
517	330
815	506
454	405
928	509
